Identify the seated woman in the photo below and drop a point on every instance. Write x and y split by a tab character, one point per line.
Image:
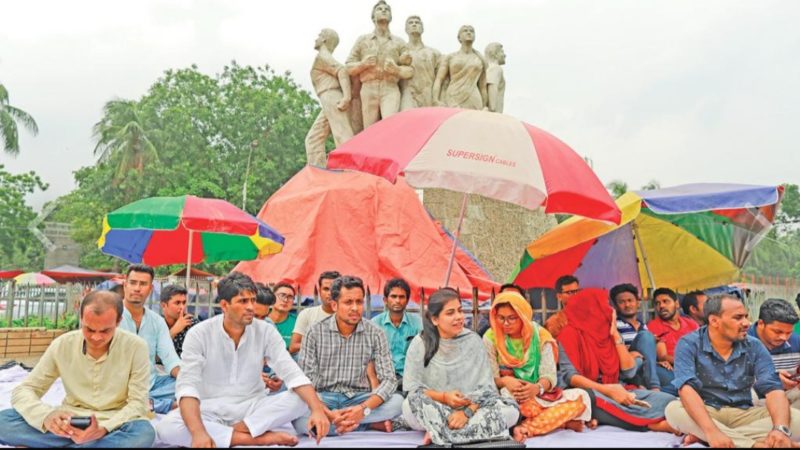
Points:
522	355
451	392
592	356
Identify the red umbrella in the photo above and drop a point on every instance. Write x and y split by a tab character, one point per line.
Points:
479	152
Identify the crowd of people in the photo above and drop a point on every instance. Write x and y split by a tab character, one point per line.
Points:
700	368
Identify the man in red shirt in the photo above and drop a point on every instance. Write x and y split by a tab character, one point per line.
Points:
668	328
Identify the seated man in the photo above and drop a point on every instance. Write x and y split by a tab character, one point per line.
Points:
776	321
335	356
281	313
640	342
715	368
692	306
668	328
399	325
222	398
565	288
173	306
310	316
106	375
265	298
150	326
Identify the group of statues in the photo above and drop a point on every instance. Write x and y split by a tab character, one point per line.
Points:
384	75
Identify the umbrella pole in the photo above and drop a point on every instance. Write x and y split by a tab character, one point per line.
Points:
189	259
455	240
644	256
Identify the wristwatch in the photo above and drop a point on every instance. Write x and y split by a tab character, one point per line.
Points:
783	429
467	412
366	409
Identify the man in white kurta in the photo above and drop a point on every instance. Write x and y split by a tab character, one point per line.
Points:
221	370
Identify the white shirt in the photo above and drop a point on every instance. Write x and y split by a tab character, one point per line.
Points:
308	317
212	369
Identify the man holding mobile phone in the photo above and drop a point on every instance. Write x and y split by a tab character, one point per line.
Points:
106	374
775	329
173	306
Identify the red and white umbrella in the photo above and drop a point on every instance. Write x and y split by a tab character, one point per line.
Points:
479	152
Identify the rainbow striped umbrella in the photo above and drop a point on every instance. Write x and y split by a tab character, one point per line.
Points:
186	229
34	279
685	237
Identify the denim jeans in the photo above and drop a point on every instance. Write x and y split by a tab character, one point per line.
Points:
162	393
15	431
333	400
646	374
665	377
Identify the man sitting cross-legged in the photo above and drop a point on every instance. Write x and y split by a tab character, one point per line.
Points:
106	375
222	400
335	356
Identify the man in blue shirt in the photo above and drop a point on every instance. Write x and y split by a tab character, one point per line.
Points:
639	341
715	368
150	326
398	325
775	329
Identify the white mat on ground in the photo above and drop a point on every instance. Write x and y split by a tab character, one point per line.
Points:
602	437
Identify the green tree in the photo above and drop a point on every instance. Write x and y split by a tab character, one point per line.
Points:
617	188
651	185
122	138
19	249
9	116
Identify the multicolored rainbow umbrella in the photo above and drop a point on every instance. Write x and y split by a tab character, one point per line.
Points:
186	229
34	279
685	237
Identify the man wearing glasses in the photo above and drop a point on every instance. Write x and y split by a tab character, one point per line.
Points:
565	288
281	314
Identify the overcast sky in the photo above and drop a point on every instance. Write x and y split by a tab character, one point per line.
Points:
678	91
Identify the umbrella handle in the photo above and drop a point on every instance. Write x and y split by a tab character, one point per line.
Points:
189	259
455	240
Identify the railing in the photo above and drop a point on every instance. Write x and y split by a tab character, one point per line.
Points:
27	304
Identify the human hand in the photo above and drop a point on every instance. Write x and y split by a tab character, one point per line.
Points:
786	379
455	399
273	383
370	61
202	440
343	104
348	419
183	321
320	423
57	422
511	383
525	392
620	395
776	439
718	439
613	332
92	433
666	365
457	420
391	67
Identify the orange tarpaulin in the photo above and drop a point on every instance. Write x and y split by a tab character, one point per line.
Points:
362	225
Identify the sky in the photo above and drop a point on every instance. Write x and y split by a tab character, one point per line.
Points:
683	91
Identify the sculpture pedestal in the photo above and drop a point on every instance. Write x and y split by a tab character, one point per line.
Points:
495	232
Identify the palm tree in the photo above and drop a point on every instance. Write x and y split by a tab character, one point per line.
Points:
651	185
121	137
617	188
9	116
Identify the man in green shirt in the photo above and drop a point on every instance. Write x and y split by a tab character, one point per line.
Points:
281	314
398	325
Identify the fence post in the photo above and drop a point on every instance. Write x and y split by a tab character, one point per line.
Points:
368	309
10	303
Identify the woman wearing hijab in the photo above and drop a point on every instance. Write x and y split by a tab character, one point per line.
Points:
593	356
451	391
522	357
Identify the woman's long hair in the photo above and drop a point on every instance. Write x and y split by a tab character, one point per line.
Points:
430	334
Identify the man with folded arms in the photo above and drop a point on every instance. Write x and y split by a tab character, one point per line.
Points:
221	396
106	376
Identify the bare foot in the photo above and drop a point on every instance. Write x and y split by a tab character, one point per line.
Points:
664	427
690	439
426	440
592	424
519	434
276	438
385	426
760	444
574	425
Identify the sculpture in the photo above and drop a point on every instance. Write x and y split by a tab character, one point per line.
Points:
495	81
332	85
379	60
466	70
418	90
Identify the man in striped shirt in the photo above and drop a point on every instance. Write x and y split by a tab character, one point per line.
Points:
774	328
335	355
633	331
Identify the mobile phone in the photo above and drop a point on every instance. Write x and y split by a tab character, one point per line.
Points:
641	403
313	432
81	422
795	377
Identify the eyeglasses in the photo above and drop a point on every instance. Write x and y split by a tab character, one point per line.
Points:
509	320
283	296
571	292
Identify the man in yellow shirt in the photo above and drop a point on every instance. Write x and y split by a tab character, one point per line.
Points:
106	376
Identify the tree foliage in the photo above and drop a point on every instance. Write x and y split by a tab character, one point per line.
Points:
9	116
779	252
19	249
202	129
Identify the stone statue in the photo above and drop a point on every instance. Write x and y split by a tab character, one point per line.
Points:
466	70
417	91
332	85
379	60
495	81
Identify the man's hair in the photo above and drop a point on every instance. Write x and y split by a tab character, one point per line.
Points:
397	283
328	275
492	49
264	295
665	291
411	17
167	292
234	284
284	284
144	268
797	300
777	310
515	287
620	288
345	282
713	306
380	2
690	300
99	302
332	37
563	281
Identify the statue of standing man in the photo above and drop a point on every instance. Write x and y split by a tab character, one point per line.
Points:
495	80
379	60
417	91
332	85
